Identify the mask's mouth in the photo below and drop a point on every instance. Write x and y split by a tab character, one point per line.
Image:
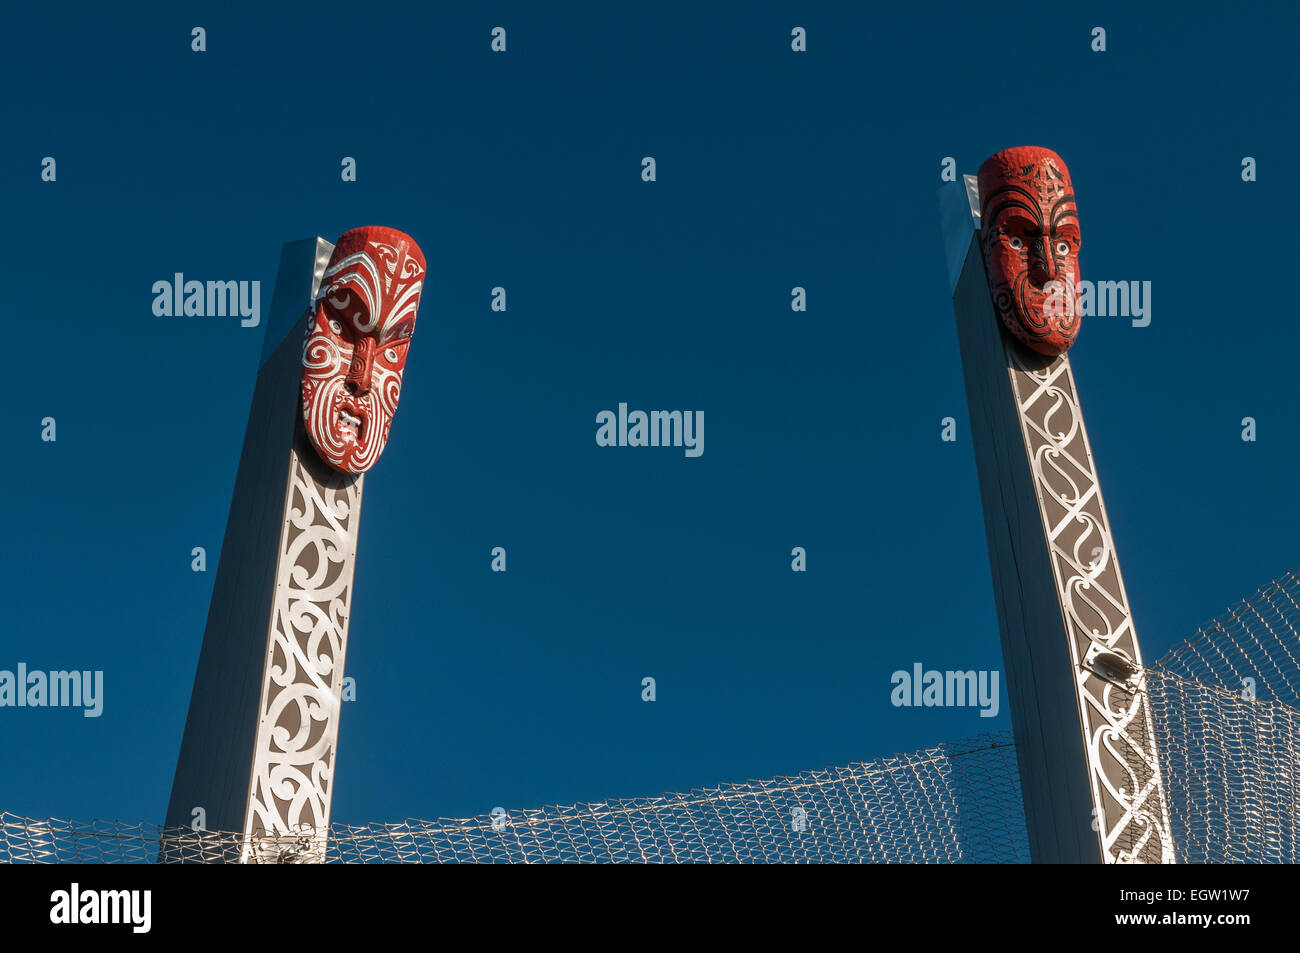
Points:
350	425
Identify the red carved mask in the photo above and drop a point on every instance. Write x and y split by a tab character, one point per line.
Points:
1030	235
356	346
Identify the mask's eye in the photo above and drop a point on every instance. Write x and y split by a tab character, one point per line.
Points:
391	355
335	326
1016	243
1063	248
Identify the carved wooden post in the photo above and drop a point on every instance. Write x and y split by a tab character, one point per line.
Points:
258	753
1089	768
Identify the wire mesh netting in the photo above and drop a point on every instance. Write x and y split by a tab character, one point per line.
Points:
1226	705
1227	719
953	803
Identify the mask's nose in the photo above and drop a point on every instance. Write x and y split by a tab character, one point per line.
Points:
363	358
1042	263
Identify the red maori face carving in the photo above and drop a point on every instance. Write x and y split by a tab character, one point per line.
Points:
1030	234
356	345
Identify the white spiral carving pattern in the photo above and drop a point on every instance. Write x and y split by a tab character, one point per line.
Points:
1123	764
293	758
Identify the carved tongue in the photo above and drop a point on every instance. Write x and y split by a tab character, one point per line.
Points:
350	425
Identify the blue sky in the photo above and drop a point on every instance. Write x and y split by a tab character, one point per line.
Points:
522	169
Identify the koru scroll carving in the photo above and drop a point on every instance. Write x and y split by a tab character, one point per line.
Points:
1114	711
1029	236
298	718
